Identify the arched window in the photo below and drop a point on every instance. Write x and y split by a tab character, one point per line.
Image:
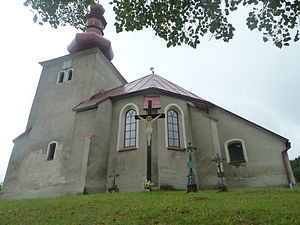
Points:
61	76
128	132
70	74
235	151
173	128
130	128
51	150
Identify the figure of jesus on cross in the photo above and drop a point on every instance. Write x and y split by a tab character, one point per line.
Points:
149	124
149	118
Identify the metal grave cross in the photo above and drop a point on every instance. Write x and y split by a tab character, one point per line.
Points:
150	117
191	183
114	187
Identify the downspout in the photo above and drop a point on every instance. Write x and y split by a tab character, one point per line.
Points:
283	154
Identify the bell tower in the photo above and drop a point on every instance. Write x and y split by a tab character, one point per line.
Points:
45	161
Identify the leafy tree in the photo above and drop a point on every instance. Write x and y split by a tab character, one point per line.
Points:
296	168
182	21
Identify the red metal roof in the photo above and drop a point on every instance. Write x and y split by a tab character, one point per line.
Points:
149	82
154	82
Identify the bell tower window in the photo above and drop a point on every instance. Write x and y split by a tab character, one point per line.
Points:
65	75
61	77
70	74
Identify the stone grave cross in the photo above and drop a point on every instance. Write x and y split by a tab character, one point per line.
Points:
218	160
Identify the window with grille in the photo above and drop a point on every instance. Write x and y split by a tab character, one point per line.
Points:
173	128
130	128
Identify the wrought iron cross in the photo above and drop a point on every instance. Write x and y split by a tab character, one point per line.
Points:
114	175
189	149
191	183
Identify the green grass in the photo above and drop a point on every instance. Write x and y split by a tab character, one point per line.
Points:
238	206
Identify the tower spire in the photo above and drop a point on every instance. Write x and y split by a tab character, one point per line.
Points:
93	35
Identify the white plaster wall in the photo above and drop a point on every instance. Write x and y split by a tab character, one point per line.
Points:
264	166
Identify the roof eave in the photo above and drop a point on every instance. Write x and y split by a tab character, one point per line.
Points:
158	90
152	89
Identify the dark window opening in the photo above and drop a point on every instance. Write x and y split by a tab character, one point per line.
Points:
70	74
51	151
130	129
236	152
173	129
61	77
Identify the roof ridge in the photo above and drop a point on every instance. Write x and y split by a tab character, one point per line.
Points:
139	78
163	85
177	86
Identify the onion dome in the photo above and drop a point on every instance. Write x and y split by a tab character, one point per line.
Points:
93	35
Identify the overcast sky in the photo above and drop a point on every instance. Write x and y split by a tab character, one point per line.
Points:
246	76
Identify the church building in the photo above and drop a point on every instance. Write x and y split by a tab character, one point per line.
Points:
84	126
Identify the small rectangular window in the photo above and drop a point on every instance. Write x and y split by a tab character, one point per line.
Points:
51	151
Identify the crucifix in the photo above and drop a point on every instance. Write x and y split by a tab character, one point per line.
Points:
150	117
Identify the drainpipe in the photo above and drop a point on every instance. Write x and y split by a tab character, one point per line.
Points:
284	158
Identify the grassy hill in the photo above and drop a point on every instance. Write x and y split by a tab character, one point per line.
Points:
238	206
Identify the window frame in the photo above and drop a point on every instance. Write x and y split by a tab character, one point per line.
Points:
65	74
121	128
68	75
130	131
61	73
233	141
49	149
174	123
181	127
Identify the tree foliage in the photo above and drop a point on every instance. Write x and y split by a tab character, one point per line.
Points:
296	168
182	21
